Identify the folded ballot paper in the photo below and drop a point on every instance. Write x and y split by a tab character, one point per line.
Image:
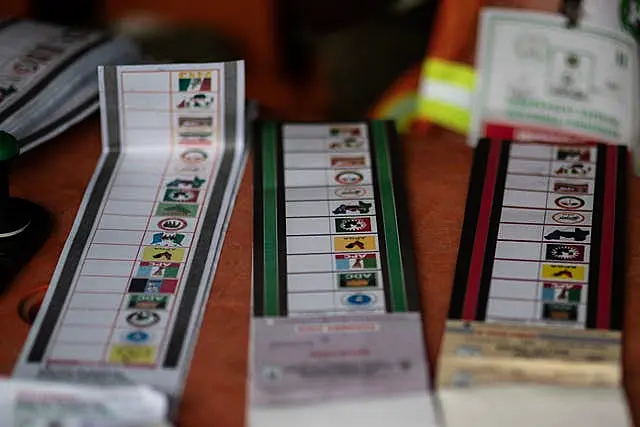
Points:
48	76
52	404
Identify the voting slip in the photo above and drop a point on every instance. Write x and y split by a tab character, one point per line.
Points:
48	76
127	297
538	294
336	336
541	81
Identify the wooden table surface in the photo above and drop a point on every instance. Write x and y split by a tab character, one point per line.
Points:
436	176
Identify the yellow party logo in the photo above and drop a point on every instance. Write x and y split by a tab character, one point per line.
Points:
163	254
125	354
354	243
563	272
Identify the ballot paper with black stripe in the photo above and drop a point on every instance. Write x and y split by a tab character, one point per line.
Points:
48	76
127	297
336	327
538	294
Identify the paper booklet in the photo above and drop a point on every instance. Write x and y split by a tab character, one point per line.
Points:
539	80
48	76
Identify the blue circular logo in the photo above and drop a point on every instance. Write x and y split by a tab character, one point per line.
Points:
359	299
138	336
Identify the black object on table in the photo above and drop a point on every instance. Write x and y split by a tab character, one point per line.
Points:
24	225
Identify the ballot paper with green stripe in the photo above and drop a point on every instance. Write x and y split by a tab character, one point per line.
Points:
336	310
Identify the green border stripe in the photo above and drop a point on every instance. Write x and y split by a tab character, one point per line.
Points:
270	218
391	232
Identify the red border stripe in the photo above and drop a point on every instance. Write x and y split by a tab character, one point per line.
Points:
606	242
482	231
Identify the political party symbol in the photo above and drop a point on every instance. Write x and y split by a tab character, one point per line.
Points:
571	253
195	122
137	337
194	81
354	243
356	208
566	187
568	218
562	292
197	101
153	253
358	280
353	225
563	272
573	169
356	261
348	162
181	195
569	202
345	131
148	302
560	312
172	224
143	319
158	269
350	143
350	192
348	177
358	300
132	354
177	209
193	156
167	239
574	154
141	285
190	184
575	234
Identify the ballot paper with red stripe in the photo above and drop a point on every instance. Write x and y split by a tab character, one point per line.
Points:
538	290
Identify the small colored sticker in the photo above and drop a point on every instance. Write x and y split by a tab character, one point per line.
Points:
143	319
349	143
575	234
194	156
351	192
562	292
569	202
195	141
151	253
348	177
360	207
177	209
137	337
195	122
356	261
198	101
568	218
194	81
567	253
172	224
140	285
354	243
358	280
158	269
560	312
123	354
344	131
563	272
148	302
353	225
181	195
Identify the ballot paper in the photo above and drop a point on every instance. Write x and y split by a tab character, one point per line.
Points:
47	404
48	76
128	295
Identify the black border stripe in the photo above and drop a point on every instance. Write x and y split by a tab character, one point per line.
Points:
412	290
258	224
492	233
34	91
63	285
193	284
469	225
283	299
596	238
616	319
42	132
382	239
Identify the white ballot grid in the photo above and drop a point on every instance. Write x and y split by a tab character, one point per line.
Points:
333	258
540	272
131	286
